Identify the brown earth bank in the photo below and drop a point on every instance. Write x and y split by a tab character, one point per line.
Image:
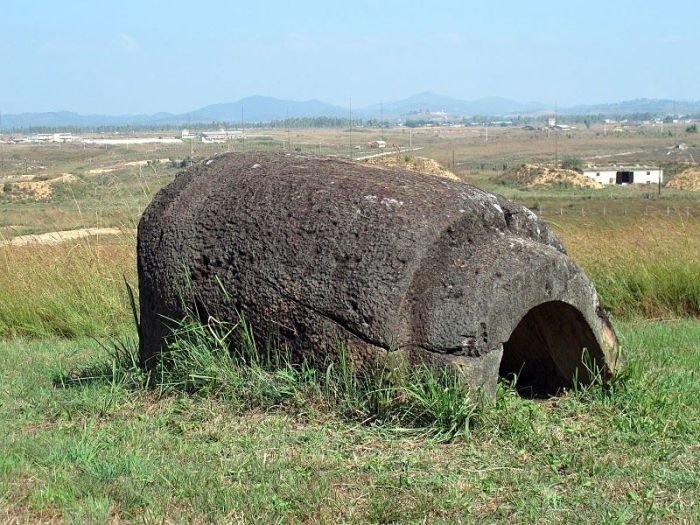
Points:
418	164
538	176
39	190
687	180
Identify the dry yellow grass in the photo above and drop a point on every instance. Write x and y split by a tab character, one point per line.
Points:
68	289
641	265
596	239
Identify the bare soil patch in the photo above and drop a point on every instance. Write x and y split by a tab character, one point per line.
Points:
537	176
124	165
59	236
39	190
419	164
688	180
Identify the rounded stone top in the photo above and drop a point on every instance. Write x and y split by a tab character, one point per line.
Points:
318	250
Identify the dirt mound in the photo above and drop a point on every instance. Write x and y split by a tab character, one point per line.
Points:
419	164
534	176
39	190
688	180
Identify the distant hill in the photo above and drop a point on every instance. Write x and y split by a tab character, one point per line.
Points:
251	109
432	102
67	119
653	106
262	109
265	109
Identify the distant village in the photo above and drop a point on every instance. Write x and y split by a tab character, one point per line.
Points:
415	119
603	175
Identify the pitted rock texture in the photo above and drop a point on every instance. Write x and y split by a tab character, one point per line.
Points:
320	253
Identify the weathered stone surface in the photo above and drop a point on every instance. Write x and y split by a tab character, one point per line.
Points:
321	251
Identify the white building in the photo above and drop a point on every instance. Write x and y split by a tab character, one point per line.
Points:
220	136
53	137
625	175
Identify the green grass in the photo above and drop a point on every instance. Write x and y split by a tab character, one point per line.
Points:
101	451
221	360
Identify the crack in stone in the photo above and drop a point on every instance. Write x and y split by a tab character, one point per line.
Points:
341	323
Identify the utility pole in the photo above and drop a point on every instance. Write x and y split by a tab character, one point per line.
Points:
289	134
556	139
190	131
381	118
350	132
673	124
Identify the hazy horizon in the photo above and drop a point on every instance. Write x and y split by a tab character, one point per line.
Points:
131	58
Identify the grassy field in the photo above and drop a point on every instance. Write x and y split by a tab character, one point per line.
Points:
102	452
109	450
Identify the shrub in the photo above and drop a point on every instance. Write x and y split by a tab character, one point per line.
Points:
572	163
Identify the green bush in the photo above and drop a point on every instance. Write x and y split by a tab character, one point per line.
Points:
572	163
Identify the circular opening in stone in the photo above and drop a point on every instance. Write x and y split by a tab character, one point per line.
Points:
551	347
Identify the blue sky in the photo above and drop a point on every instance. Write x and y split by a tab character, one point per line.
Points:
128	56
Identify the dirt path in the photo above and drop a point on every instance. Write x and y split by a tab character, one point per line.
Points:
393	151
60	236
124	165
624	153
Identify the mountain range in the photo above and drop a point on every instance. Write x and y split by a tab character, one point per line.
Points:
264	109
